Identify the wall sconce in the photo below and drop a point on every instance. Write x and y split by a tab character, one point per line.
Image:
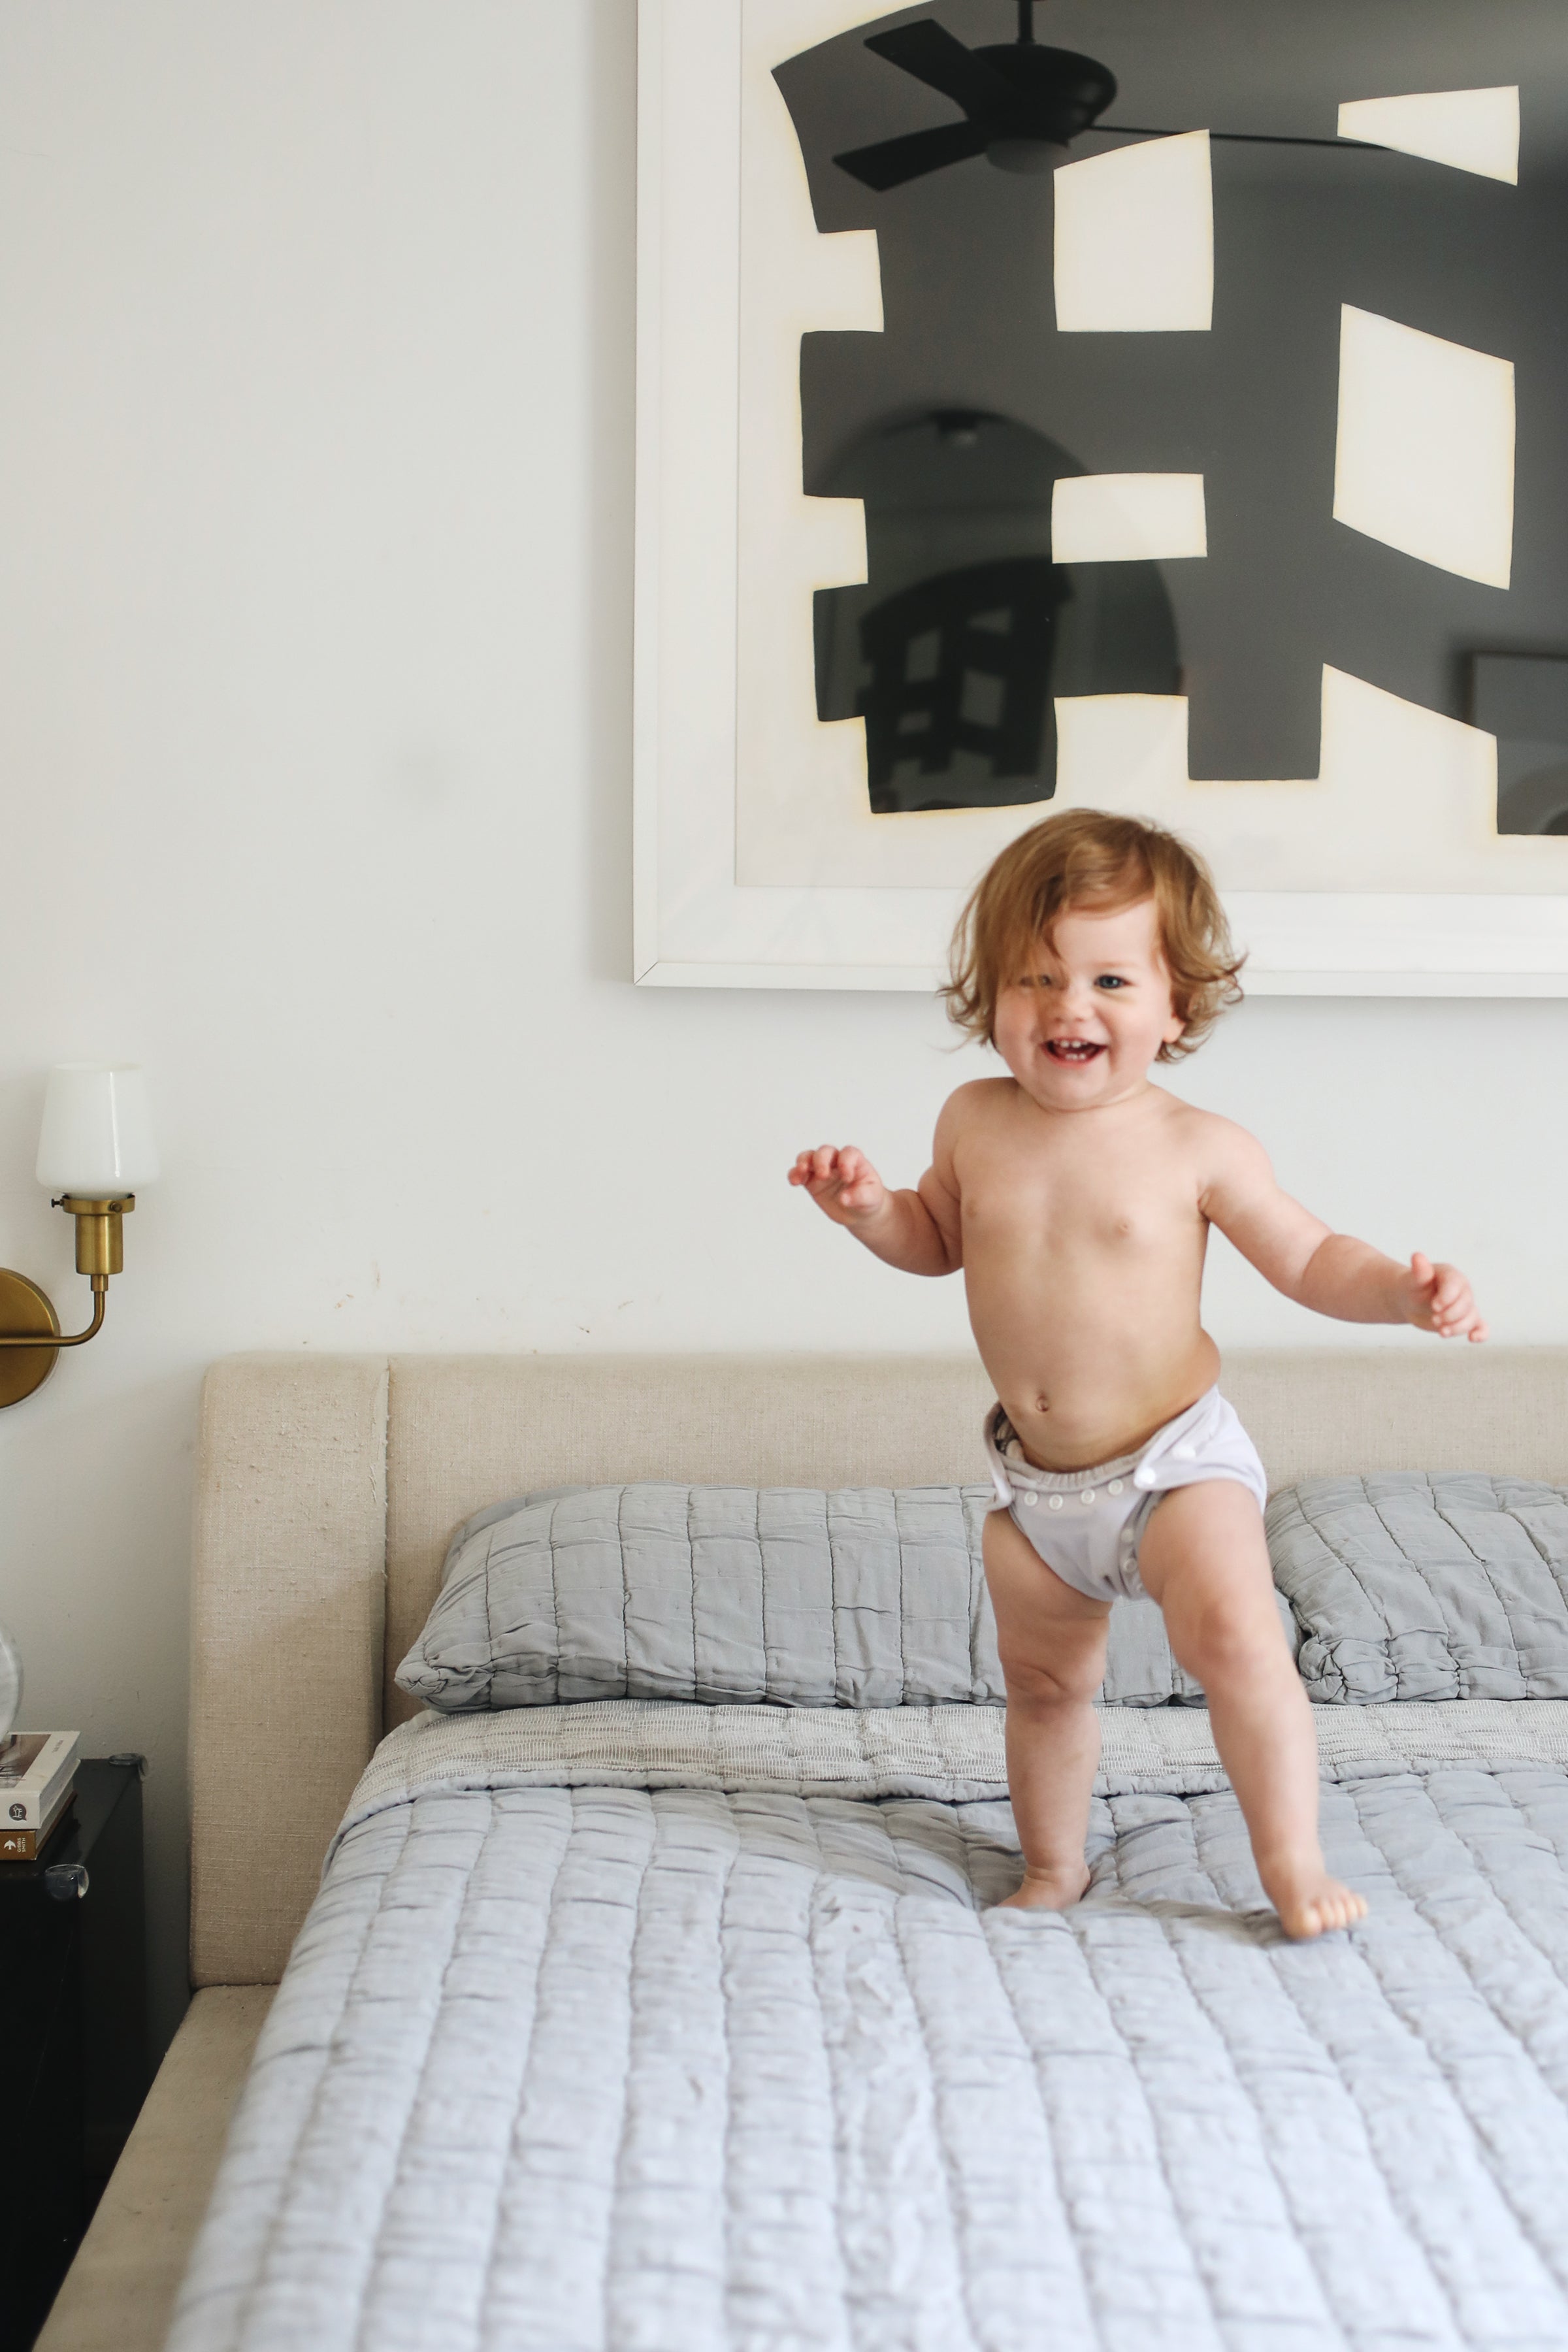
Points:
96	1146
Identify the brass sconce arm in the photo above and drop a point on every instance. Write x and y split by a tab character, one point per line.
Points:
60	1338
32	1336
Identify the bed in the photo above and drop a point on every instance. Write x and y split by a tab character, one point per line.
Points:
641	2023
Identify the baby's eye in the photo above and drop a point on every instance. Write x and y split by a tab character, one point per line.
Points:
1110	980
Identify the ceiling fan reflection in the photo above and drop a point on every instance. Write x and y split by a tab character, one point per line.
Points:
1023	104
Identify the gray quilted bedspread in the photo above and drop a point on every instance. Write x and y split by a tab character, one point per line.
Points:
745	2068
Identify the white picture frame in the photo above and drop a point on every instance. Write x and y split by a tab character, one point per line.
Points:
696	924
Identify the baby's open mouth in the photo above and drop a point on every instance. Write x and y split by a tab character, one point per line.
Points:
1072	1049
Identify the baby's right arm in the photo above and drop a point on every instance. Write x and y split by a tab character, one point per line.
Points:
917	1231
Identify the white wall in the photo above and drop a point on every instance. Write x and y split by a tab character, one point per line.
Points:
315	474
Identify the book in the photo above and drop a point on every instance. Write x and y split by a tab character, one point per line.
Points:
26	1845
36	1771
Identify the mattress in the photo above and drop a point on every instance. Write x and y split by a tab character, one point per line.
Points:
639	2027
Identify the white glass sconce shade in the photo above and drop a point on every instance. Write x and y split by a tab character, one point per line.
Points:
97	1136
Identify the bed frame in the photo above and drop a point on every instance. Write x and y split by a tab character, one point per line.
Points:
327	1490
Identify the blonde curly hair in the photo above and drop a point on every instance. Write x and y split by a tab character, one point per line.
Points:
1086	858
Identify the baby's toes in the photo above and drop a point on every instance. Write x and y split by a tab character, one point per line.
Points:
1338	1906
1317	1906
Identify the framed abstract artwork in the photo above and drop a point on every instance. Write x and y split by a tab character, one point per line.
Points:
1153	404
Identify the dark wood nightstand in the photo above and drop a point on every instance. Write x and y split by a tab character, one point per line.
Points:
73	2011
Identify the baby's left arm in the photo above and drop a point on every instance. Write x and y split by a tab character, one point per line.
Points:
1333	1274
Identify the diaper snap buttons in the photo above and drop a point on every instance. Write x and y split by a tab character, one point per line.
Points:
1087	1497
1029	1501
1056	1502
1114	1487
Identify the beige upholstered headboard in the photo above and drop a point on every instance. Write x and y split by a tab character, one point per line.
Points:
328	1487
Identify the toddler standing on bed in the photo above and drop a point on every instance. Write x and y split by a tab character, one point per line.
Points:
1078	1197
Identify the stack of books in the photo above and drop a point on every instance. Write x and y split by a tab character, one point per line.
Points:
37	1789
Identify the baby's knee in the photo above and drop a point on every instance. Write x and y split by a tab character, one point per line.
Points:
1069	1680
1220	1651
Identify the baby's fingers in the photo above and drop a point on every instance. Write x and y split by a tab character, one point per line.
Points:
814	1169
840	1179
1465	1324
859	1186
1453	1311
1462	1322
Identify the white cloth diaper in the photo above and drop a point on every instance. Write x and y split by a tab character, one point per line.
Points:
1087	1524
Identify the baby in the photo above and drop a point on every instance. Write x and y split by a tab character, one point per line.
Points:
1078	1199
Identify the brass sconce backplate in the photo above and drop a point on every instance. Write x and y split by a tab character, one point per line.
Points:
24	1307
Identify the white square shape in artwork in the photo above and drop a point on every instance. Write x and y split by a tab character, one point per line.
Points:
1135	239
1424	455
1127	518
1469	130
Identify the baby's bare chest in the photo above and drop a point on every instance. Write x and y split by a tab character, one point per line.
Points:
1112	1205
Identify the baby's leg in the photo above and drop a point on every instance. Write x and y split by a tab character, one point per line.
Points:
1205	1559
1052	1646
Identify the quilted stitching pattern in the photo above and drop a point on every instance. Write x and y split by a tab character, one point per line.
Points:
866	1597
1407	1587
608	2070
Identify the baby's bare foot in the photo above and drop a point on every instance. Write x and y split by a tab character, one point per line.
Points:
1310	1903
1048	1890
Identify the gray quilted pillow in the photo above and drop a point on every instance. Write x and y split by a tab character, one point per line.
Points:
1410	1587
865	1596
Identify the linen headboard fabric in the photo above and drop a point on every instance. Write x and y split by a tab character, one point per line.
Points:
329	1487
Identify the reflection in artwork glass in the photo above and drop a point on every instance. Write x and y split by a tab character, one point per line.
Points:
959	664
966	631
1523	700
954	424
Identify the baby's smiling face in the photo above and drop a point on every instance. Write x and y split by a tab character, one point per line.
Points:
1079	1029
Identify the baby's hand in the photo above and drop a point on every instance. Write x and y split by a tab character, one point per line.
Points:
843	1182
1437	1298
